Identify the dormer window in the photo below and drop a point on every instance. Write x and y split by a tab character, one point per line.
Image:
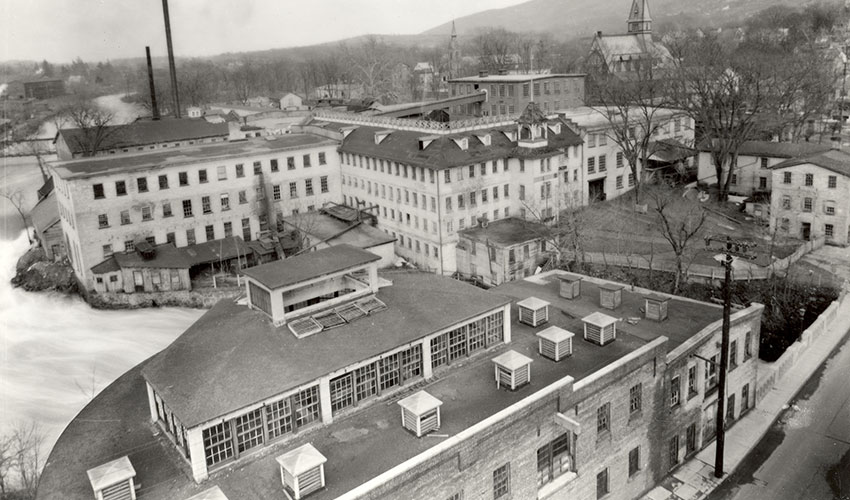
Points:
426	141
485	139
381	135
462	143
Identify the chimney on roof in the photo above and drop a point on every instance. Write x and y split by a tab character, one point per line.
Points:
483	73
503	71
154	107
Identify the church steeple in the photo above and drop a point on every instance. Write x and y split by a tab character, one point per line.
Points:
454	54
640	22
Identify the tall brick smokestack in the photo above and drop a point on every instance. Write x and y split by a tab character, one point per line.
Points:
171	68
154	107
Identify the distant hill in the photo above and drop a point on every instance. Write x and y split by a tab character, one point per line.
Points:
580	18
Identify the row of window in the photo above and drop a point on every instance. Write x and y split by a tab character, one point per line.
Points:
188	207
209	231
809	179
601	163
808	203
202	176
229	439
805	229
462	342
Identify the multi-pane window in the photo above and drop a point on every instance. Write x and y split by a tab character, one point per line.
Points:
98	191
246	229
190	236
786	177
202	175
635	398
602	483
225	201
673	451
102	220
554	458
183	178
807	204
634	461
366	381
306	161
125	217
603	418
210	232
166	209
261	193
221	171
308	186
258	168
733	355
307	406
502	481
240	170
675	391
691	439
832	181
810	179
276	192
692	381
218	445
290	163
147	213
228	229
163	182
293	190
279	418
603	163
243	197
129	246
323	183
120	188
389	371
829	231
273	164
711	373
206	205
591	165
187	208
249	430
142	184
619	182
619	160
342	392
762	182
322	159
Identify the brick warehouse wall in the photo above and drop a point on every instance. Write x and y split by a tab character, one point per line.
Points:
465	463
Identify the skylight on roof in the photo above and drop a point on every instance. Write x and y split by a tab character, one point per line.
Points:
304	327
329	319
370	305
350	312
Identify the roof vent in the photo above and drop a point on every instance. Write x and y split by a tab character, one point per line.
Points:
302	471
503	71
533	311
600	328
483	73
570	286
610	295
656	307
420	413
555	343
113	479
512	370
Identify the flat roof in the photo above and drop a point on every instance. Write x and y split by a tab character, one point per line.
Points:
121	416
233	356
507	232
185	155
309	265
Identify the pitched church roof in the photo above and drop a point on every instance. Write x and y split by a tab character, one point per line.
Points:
639	17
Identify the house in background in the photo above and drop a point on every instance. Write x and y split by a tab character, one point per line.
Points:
811	197
292	102
145	268
502	250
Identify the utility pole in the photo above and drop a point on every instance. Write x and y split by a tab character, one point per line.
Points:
734	248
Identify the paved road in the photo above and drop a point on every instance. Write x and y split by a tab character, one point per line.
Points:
806	453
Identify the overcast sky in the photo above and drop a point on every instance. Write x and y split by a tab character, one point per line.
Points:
60	30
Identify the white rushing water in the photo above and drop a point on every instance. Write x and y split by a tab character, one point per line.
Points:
56	352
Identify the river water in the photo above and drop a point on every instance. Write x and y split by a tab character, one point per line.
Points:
56	352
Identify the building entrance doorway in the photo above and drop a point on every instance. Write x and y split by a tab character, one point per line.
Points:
806	230
596	190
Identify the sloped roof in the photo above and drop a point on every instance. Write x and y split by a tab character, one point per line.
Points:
833	160
775	149
222	362
334	231
443	152
146	132
213	251
166	256
311	265
46	188
532	114
613	46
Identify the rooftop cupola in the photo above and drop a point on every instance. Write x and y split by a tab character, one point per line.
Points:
532	130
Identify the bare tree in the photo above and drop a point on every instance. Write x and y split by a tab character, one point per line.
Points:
680	220
27	441
371	63
493	48
631	108
94	124
16	198
723	91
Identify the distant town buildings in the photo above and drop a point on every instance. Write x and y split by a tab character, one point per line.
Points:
42	88
509	93
628	53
